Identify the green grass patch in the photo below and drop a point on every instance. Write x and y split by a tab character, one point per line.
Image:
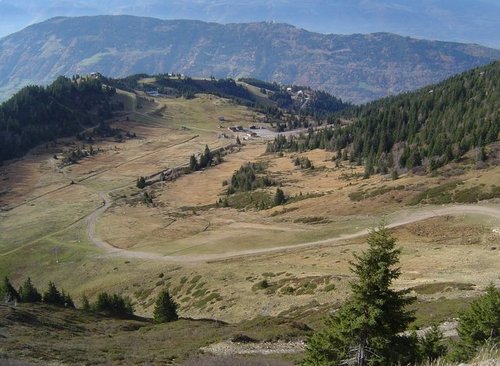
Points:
200	292
284	210
143	293
301	197
195	279
259	199
357	196
475	194
287	290
433	288
438	311
448	193
199	208
307	288
213	297
264	328
312	220
292	286
438	195
329	287
370	193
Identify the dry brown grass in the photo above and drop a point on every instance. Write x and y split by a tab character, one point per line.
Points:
447	249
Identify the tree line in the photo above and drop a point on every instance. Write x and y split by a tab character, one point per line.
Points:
206	159
28	293
38	114
112	304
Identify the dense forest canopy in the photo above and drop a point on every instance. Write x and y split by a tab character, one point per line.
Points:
39	114
431	127
182	86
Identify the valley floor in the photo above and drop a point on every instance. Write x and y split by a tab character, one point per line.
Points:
88	228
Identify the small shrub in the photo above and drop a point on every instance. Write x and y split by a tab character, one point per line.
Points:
329	287
262	284
141	182
113	304
279	197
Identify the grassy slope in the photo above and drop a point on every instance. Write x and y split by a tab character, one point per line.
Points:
43	333
224	289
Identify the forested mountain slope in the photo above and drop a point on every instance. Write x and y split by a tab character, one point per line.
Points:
39	114
430	127
356	68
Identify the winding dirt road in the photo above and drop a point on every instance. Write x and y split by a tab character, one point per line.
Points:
403	219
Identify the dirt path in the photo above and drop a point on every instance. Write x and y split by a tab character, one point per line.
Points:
98	242
225	348
403	219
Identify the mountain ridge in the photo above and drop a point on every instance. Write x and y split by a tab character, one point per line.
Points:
439	19
357	68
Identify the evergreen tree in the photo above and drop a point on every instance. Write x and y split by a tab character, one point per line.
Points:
193	163
7	292
67	301
141	182
165	308
85	303
366	330
478	325
206	158
40	114
438	122
29	293
279	197
53	296
430	346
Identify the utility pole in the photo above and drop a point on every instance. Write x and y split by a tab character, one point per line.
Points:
56	253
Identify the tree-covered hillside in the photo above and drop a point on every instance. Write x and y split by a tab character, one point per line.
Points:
357	68
40	114
430	127
297	100
183	86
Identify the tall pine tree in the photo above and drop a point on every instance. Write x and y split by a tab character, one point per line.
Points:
29	293
366	330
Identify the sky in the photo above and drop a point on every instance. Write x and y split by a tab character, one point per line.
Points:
470	21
